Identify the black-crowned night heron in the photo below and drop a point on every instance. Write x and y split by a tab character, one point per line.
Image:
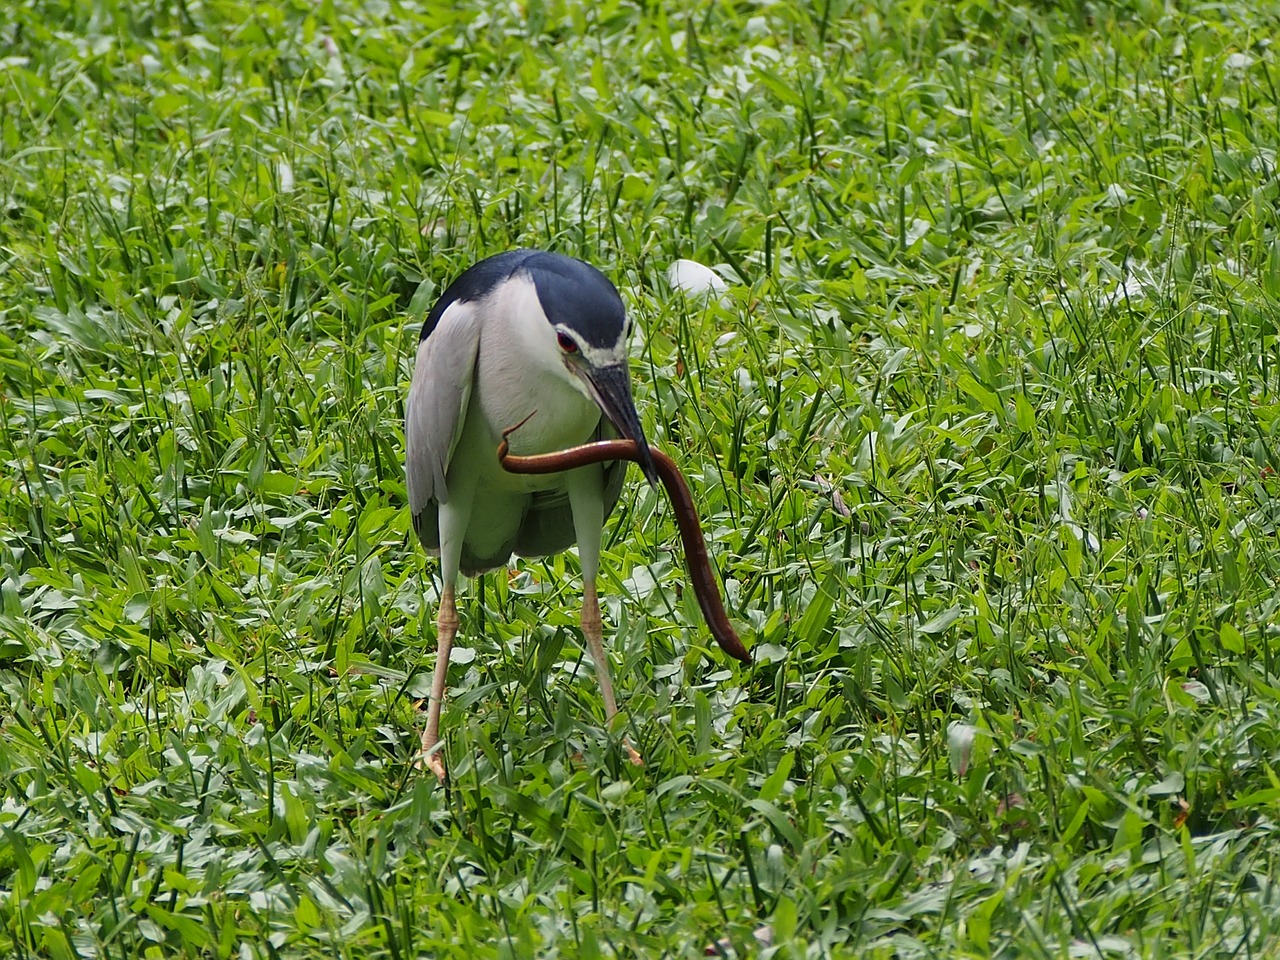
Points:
518	334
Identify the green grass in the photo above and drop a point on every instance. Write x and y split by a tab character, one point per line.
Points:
984	437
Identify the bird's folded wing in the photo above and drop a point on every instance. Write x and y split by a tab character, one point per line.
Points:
437	405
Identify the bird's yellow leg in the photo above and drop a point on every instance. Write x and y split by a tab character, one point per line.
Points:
446	630
593	630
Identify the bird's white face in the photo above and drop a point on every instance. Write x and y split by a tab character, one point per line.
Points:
551	366
580	356
556	348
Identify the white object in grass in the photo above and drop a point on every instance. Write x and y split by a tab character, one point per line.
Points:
693	278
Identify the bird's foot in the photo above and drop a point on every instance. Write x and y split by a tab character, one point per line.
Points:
431	759
632	755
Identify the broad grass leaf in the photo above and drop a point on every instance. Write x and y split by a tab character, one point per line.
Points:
817	616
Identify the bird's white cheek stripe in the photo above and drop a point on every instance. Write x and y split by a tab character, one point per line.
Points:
604	356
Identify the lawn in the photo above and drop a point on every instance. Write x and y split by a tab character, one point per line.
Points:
984	433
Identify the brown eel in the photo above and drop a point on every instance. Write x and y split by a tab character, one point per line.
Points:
695	548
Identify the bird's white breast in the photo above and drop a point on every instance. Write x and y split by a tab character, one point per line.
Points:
507	391
521	357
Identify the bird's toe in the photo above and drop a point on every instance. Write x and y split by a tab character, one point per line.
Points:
633	756
430	758
434	763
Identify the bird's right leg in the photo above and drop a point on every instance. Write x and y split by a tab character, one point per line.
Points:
585	499
593	630
455	515
446	630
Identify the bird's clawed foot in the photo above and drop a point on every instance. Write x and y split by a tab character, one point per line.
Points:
431	759
436	766
632	755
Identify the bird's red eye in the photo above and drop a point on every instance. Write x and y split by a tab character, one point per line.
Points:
567	343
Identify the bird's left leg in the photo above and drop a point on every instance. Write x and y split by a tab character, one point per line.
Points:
585	497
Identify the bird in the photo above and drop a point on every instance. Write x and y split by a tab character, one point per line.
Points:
525	337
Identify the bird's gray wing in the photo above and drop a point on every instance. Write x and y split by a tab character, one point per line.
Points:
437	405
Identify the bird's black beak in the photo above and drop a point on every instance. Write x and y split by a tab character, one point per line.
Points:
612	389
